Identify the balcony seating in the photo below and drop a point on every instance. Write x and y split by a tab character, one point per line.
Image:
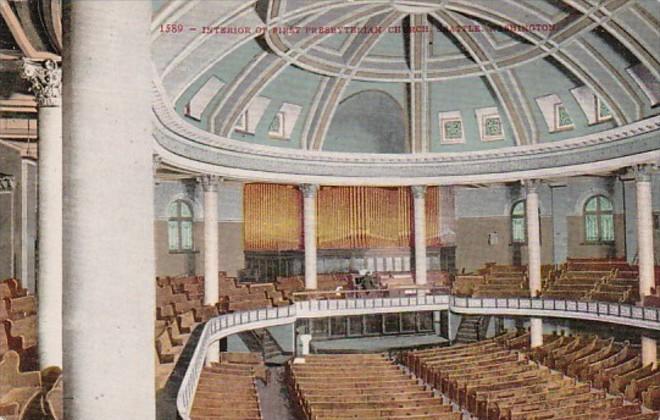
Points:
227	390
361	386
502	281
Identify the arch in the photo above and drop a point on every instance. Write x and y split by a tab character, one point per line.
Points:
598	219
369	121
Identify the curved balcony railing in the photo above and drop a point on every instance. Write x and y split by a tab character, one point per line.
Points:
361	304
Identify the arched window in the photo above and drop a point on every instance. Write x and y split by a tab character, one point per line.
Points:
180	226
599	220
518	224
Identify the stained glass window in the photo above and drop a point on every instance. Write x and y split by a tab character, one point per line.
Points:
493	127
180	227
562	118
518	228
599	220
603	111
453	130
276	128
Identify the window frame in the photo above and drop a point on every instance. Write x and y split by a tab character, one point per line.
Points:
484	120
601	118
179	219
598	213
522	217
450	117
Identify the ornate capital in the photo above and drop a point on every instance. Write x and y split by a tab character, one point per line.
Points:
210	182
309	190
6	183
418	191
45	80
642	172
531	185
156	160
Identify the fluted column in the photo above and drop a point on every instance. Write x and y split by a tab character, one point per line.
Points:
309	226
211	248
419	205
644	229
45	80
109	276
534	257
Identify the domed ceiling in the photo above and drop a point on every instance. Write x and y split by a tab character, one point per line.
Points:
407	76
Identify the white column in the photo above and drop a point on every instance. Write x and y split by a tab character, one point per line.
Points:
533	237
534	257
644	230
649	351
45	79
536	332
211	241
419	205
309	227
109	288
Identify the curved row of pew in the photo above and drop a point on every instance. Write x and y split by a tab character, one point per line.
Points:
493	381
25	392
361	386
227	390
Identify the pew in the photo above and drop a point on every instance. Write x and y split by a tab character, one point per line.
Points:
17	389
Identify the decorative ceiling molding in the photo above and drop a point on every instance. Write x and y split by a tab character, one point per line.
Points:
357	48
642	44
184	145
21	37
503	83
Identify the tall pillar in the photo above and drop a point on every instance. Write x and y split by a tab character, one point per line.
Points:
46	84
644	229
559	223
533	236
534	258
309	226
419	205
211	241
649	351
109	288
536	332
630	215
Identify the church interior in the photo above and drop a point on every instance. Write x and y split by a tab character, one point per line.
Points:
329	209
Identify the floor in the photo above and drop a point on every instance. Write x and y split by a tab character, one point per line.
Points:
276	404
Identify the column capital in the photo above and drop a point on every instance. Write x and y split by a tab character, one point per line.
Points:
156	161
531	185
418	191
45	79
642	172
6	183
210	183
309	190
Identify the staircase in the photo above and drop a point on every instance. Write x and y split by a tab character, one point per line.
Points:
261	341
472	329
